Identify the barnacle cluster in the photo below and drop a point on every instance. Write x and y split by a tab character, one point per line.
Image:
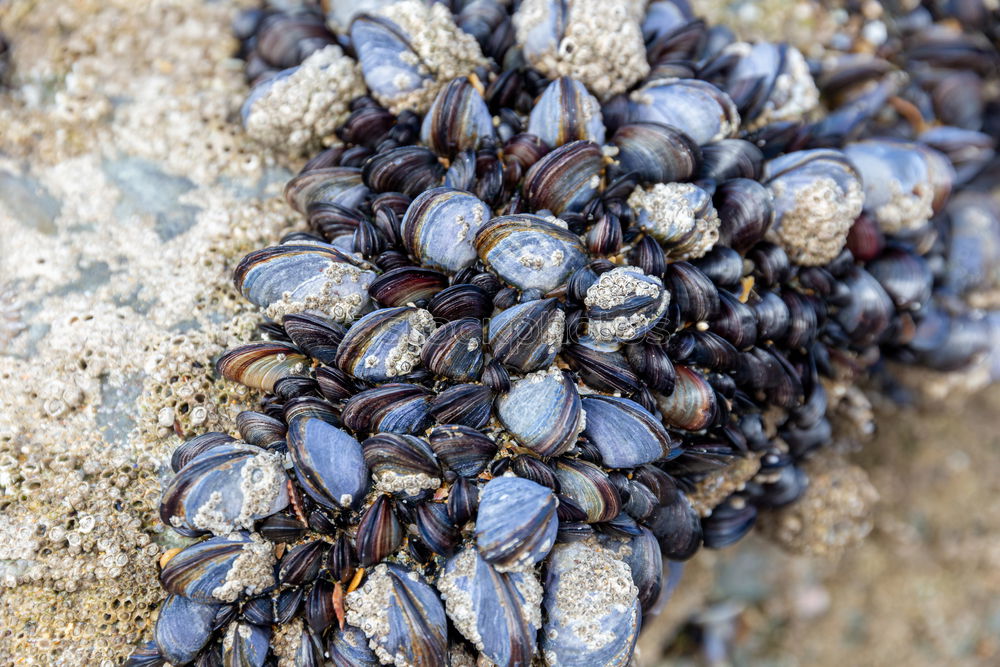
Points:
560	315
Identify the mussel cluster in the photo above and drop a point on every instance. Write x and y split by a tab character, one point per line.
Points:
564	262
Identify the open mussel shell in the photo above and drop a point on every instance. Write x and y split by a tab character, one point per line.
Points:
328	462
542	410
385	343
589	487
656	153
693	404
499	612
342	186
205	571
392	408
530	252
402	464
625	433
527	336
196	446
695	107
565	179
304	278
246	645
515	540
566	112
226	488
462	448
183	627
624	304
348	646
457	120
401	615
261	365
440	225
591	606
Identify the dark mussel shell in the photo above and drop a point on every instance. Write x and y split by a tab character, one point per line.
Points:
402	464
204	571
391	408
461	301
693	292
566	112
440	225
498	611
455	350
728	522
624	304
407	284
407	169
542	410
328	185
462	448
198	445
530	252
513	540
746	211
464	404
601	366
385	344
906	277
328	462
656	153
261	365
457	120
527	336
246	645
349	646
183	627
587	587
565	179
624	432
589	487
226	488
401	615
380	532
693	405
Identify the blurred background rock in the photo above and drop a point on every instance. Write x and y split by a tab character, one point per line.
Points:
127	193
